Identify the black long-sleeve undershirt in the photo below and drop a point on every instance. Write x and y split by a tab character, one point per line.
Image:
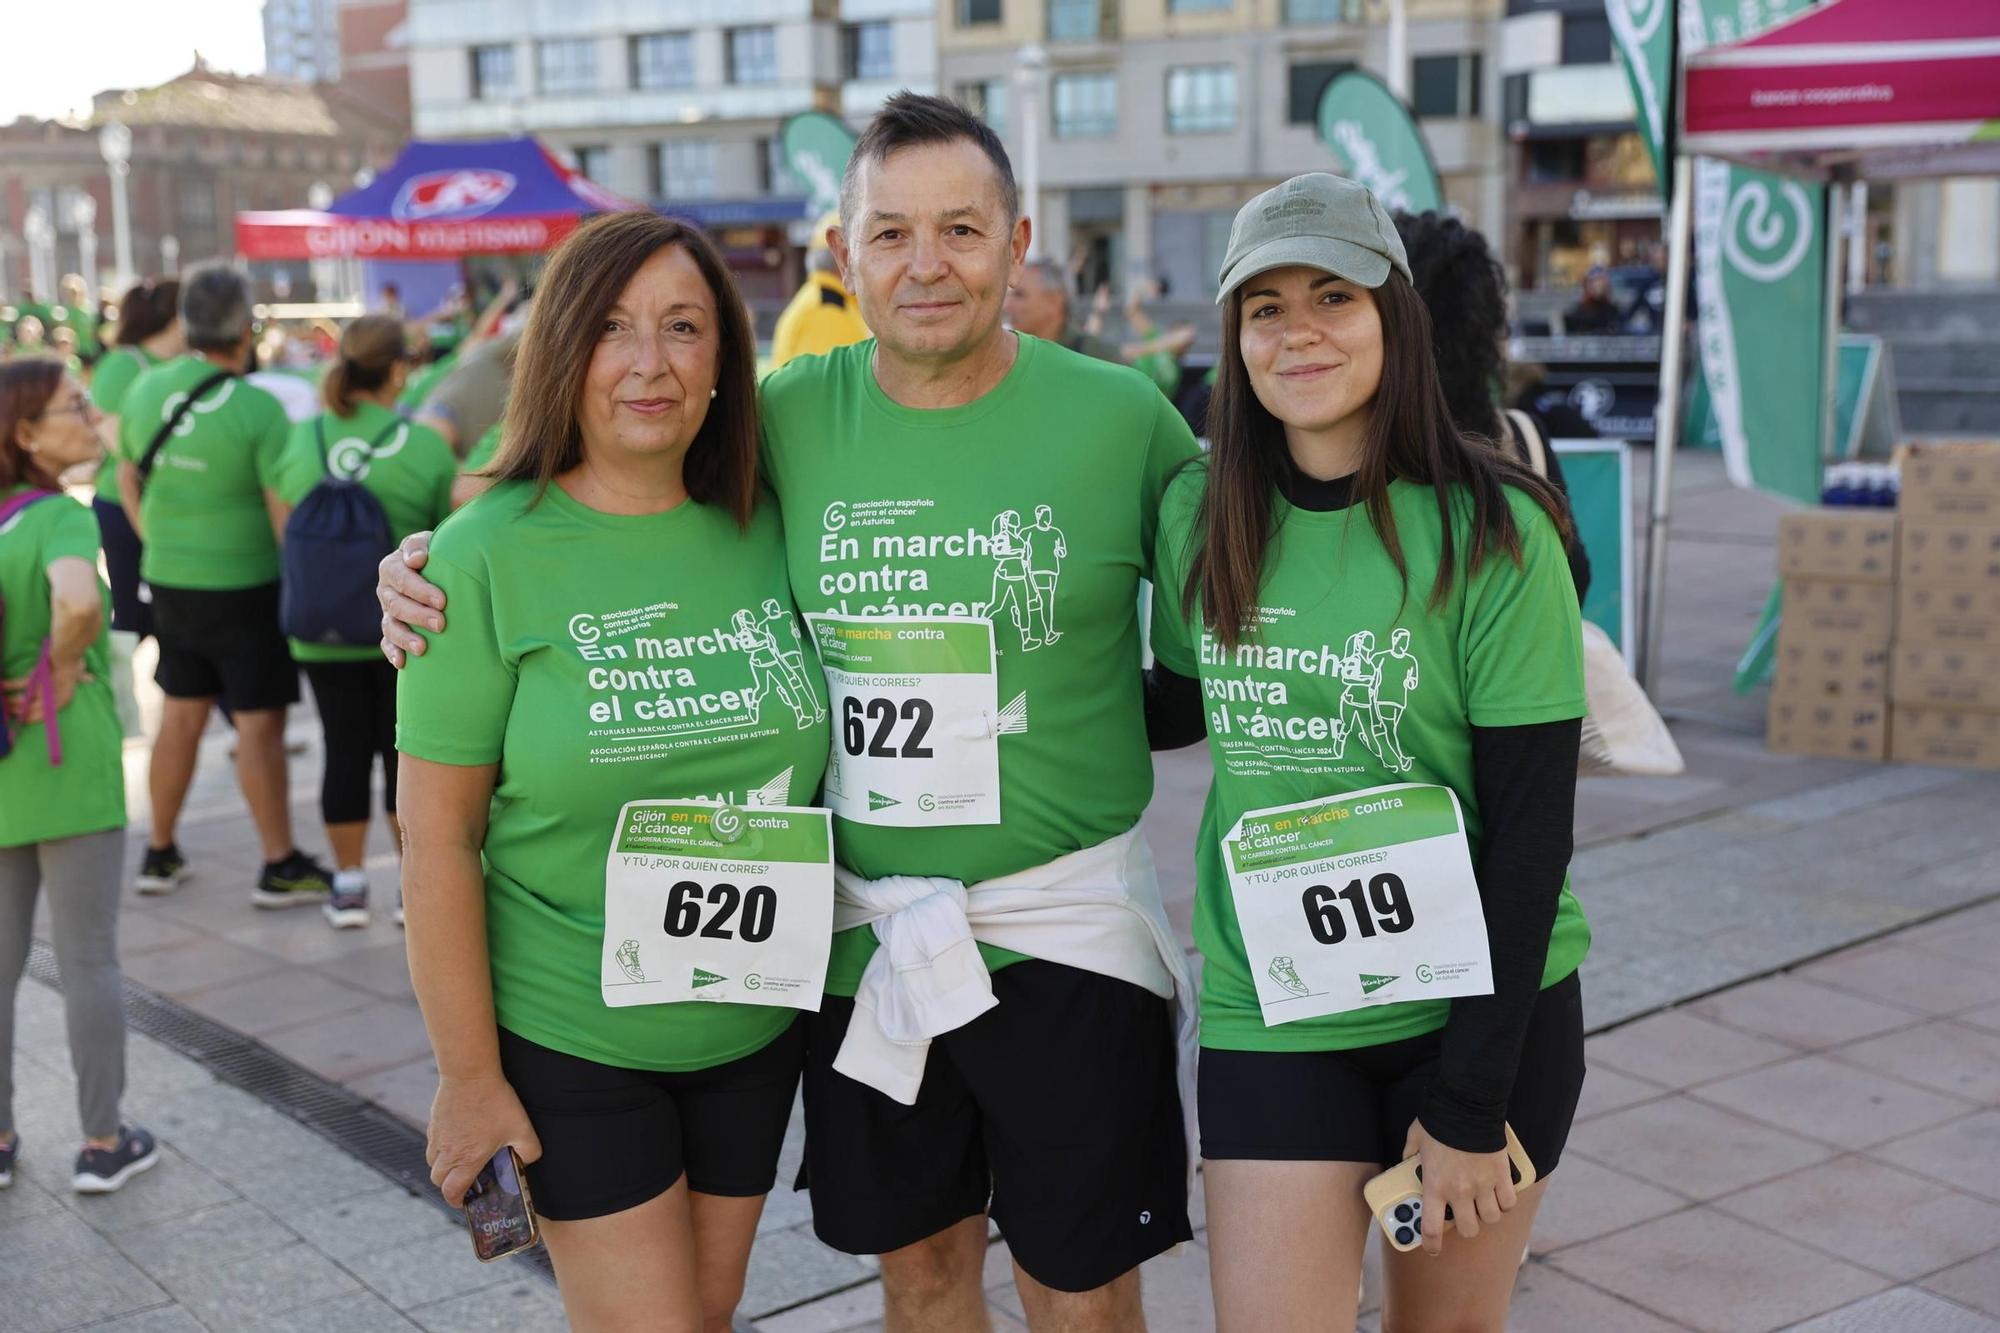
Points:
1524	786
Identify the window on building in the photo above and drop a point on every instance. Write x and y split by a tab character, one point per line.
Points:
1201	99
684	169
1322	11
986	99
868	51
1083	20
492	72
753	55
1198	6
593	161
194	199
662	60
1084	105
567	65
1307	84
1445	85
774	173
973	12
1554	161
1586	39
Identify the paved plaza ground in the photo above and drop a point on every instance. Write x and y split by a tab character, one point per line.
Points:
1792	1117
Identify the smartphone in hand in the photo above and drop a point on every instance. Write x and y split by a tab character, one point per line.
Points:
499	1212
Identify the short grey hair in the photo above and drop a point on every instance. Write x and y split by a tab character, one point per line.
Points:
215	306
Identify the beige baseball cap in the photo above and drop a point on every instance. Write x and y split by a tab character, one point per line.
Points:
1321	220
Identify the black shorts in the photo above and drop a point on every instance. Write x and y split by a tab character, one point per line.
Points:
613	1138
224	644
130	609
1357	1105
1057	1107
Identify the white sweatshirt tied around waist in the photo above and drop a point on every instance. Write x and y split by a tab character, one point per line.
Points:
1097	909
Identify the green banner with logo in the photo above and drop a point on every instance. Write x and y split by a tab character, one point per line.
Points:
816	148
1644	31
1377	142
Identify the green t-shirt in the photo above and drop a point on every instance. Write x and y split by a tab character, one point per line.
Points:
419	386
891	510
110	380
86	794
596	659
1339	648
206	524
408	467
483	450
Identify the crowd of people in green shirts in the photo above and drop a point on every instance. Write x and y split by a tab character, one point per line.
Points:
893	593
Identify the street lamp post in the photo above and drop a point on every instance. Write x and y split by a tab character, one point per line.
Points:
1031	64
40	234
114	141
83	214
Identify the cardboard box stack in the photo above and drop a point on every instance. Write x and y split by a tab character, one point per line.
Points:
1944	688
1830	690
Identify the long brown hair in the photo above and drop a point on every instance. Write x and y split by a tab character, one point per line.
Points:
540	436
148	308
27	384
370	347
1410	437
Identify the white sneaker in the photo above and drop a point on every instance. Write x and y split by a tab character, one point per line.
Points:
347	908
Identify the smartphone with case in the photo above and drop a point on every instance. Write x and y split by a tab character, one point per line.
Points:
499	1212
1396	1197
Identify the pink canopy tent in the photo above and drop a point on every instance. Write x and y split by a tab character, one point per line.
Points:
1861	89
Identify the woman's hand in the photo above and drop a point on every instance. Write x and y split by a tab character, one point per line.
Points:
1477	1186
471	1119
24	706
407	599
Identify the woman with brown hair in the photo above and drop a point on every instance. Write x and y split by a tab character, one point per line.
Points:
1381	620
567	688
149	333
408	470
62	782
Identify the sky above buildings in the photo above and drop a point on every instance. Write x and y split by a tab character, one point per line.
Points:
55	53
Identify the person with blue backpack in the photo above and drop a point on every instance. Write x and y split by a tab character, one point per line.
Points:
360	478
62	784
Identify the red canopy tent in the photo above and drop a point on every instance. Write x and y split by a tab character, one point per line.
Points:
439	200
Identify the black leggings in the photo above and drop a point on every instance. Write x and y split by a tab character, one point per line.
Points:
357	714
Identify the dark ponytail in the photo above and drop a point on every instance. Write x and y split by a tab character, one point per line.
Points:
369	351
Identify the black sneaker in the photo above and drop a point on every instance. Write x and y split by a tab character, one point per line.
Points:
162	871
8	1153
347	909
102	1170
288	883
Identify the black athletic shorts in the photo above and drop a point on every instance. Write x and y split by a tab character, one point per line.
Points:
1056	1110
614	1138
130	609
226	645
1357	1105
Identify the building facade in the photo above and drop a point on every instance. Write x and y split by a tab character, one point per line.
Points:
375	55
1154	120
302	40
681	108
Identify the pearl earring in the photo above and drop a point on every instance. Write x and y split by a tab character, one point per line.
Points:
711	393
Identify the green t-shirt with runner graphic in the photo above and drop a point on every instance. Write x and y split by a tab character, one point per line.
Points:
1348	683
1033	506
204	514
86	792
600	659
408	467
110	380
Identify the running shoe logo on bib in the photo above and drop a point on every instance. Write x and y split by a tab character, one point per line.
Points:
1286	973
628	960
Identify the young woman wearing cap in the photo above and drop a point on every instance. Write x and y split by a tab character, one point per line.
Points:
1354	596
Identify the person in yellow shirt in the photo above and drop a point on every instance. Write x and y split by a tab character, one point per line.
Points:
823	315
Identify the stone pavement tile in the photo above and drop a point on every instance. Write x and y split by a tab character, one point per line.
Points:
259	1005
301	937
1987	1017
522	1305
1549	1301
1691	1148
165	1319
202	962
24	1198
173	1188
418	1272
142	932
1965	935
1872	1215
383	970
377	1036
363	1312
1911	978
1906	1310
1825	1099
33	1240
1175	1290
379	1218
308	1178
858	1307
1949	1056
1810	1017
39	1298
1680	1049
1717	1274
788	1267
152	1070
218	1235
248	1294
1961	1154
1586	1200
405	1089
1976	1283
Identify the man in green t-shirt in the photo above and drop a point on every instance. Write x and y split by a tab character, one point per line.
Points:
199	450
